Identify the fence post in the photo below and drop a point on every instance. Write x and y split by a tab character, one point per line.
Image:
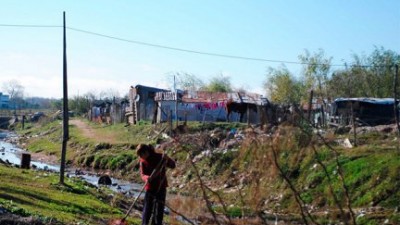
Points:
396	112
25	160
310	107
354	125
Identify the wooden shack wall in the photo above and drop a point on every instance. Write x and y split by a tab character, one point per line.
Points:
201	112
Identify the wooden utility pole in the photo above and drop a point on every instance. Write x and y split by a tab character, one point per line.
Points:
65	109
396	112
176	102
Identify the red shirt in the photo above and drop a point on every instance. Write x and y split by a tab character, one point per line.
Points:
147	166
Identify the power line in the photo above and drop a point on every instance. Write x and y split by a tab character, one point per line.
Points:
192	51
27	26
181	49
187	50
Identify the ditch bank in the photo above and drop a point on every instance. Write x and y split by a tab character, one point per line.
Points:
12	155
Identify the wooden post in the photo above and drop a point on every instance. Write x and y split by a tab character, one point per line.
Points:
170	122
23	121
65	109
310	107
248	115
396	112
185	123
354	125
25	160
323	124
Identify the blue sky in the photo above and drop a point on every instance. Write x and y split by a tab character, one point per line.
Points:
273	30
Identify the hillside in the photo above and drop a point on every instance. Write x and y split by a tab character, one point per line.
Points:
229	173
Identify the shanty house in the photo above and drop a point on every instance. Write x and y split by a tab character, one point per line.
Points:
147	103
367	111
108	111
192	106
210	106
319	112
142	105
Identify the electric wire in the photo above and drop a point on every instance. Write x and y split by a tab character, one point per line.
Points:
181	49
27	26
189	50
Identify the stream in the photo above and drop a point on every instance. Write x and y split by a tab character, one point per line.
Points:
10	153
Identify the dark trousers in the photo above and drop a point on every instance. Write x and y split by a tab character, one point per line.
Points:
154	204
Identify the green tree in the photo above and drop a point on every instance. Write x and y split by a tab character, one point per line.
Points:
316	68
366	76
185	81
381	72
56	104
282	87
219	84
340	84
79	104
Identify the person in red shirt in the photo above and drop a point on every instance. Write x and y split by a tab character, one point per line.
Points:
153	166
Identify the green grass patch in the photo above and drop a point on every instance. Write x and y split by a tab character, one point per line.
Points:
27	192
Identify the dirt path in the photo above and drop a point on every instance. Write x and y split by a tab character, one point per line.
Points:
87	131
91	133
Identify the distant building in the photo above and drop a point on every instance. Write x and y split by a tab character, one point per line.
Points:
142	104
4	101
367	111
156	105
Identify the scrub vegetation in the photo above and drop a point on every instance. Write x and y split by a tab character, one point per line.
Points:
289	173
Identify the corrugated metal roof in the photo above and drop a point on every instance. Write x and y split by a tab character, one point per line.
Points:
382	101
205	96
208	97
153	89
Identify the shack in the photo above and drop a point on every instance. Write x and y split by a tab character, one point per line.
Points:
366	111
210	106
319	112
108	111
142	105
157	105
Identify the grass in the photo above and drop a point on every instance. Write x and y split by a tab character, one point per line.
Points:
371	170
39	194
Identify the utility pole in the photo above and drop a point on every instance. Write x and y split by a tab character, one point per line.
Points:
176	102
65	108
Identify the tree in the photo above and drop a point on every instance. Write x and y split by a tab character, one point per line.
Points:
56	104
366	76
219	84
185	81
381	71
15	91
282	87
315	71
109	94
79	104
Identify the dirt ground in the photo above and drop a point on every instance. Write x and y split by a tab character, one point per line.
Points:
91	133
87	131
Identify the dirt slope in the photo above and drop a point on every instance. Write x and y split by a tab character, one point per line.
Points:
91	133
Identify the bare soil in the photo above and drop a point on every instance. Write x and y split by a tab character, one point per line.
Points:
91	133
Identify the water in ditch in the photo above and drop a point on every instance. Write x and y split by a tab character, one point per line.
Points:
10	153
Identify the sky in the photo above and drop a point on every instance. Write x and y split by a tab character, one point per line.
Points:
112	45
